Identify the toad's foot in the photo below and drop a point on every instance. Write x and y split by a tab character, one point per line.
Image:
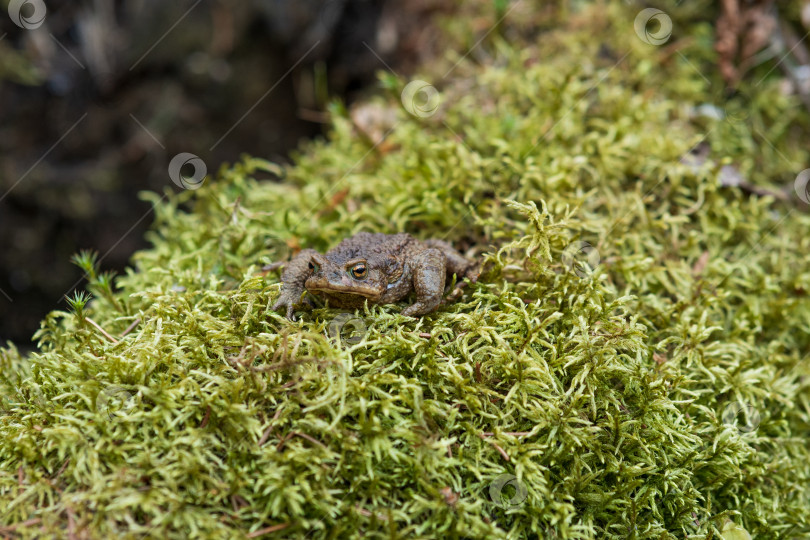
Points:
429	274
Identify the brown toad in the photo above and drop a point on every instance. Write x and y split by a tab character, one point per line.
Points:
378	268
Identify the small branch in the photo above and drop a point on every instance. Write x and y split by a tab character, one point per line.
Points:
310	439
238	502
303	436
319	117
131	327
266	434
497	447
268	530
29	523
71	525
61	469
283	440
206	417
100	329
512	433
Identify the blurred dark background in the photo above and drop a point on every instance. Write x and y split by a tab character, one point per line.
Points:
99	95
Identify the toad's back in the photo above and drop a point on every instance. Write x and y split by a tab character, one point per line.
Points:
368	245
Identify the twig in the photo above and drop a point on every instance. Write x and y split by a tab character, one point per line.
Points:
12	528
310	439
206	417
497	447
268	530
513	433
132	326
71	525
266	434
100	329
238	502
283	440
61	469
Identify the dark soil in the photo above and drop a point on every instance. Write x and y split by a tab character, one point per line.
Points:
99	99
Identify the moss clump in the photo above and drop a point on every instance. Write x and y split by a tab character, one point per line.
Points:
650	384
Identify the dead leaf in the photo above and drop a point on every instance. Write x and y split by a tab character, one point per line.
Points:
449	497
373	120
743	29
294	244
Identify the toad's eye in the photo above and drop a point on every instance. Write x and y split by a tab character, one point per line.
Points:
359	271
314	267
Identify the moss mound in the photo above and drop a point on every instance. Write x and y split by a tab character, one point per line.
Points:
631	363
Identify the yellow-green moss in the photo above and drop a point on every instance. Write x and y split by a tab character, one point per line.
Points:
659	390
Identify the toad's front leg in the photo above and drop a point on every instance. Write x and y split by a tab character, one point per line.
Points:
429	270
295	275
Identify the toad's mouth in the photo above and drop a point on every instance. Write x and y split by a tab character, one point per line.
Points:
347	293
345	289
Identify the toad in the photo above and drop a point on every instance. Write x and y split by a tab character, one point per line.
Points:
376	268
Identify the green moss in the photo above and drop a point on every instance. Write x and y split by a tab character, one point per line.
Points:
652	385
